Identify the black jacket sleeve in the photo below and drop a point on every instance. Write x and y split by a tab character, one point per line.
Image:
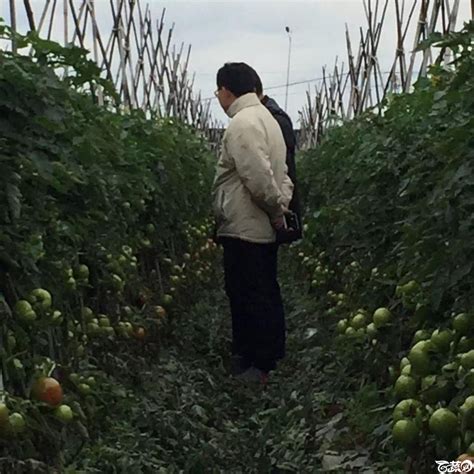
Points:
290	142
286	127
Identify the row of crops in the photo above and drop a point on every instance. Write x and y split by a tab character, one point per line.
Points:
389	255
103	223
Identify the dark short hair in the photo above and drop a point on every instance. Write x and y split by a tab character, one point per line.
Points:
238	78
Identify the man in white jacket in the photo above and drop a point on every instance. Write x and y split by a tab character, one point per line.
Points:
251	192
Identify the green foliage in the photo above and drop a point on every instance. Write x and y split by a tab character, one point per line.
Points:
395	191
68	166
76	69
93	202
389	211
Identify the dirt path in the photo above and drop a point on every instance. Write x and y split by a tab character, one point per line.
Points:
183	413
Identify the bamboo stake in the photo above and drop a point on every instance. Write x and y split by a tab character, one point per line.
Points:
363	84
53	11
29	14
427	57
84	11
77	19
43	15
421	25
95	32
13	24
453	16
400	48
65	20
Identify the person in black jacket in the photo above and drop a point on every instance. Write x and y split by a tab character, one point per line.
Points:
286	126
290	140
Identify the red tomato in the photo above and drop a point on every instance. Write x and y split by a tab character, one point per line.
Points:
48	390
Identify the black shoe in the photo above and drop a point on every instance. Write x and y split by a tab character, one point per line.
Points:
238	365
253	376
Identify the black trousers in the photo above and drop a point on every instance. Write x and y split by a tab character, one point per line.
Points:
258	319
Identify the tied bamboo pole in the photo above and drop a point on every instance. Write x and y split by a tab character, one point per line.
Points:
147	71
13	24
367	85
29	14
135	52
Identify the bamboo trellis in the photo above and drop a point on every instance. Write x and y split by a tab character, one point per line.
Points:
132	49
135	52
352	89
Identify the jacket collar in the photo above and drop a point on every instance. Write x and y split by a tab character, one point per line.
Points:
270	104
244	101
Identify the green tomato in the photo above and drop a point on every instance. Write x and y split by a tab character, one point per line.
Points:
82	272
405	387
408	408
406	370
128	328
420	361
71	284
87	314
443	424
57	317
64	413
358	321
146	243
469	379
104	321
167	299
74	378
421	335
463	323
381	317
22	308
404	362
93	328
17	422
470	449
43	298
408	288
4	415
24	311
11	342
109	331
341	326
442	339
84	389
405	432
467	360
372	330
127	250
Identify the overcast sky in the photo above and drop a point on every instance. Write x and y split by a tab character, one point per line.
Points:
254	32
